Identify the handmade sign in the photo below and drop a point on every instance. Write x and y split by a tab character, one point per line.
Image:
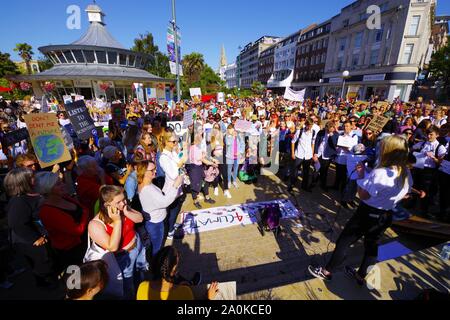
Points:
46	138
377	124
11	138
195	92
118	112
177	127
80	118
188	118
243	126
225	217
346	142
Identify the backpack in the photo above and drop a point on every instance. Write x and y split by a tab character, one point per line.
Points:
270	219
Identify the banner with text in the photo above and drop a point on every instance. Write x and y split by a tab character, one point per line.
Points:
292	95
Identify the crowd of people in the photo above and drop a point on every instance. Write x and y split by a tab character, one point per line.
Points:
112	208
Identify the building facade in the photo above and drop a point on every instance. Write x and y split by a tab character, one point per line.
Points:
94	61
284	63
265	66
230	72
312	49
248	60
381	61
22	65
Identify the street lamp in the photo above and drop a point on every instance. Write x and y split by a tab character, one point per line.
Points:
345	75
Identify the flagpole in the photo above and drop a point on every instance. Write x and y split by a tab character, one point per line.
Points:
175	31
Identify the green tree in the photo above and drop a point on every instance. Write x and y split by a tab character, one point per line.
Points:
440	68
25	51
193	65
7	67
159	66
44	63
258	87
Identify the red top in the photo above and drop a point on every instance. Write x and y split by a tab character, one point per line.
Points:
64	232
128	233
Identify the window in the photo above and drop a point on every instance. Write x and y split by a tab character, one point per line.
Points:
324	57
101	56
342	44
379	34
384	7
407	53
61	57
362	16
314	46
345	23
325	43
358	39
355	59
374	56
319	44
339	64
112	57
123	59
90	57
69	57
414	26
131	60
79	56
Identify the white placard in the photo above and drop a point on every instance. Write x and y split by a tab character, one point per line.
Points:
188	118
243	126
221	97
346	142
195	92
292	95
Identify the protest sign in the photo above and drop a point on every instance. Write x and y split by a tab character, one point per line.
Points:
346	142
118	112
221	97
11	138
80	118
188	118
47	139
195	92
177	127
292	95
377	123
243	126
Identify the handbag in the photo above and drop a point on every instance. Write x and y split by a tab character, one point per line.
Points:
114	287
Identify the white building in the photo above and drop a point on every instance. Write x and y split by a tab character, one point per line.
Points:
248	60
284	62
230	75
384	61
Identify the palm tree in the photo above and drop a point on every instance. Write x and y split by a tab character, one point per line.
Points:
26	53
193	65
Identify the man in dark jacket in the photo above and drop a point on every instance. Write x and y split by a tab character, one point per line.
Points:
325	151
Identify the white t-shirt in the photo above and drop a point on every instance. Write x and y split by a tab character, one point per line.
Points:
155	202
169	164
385	188
305	140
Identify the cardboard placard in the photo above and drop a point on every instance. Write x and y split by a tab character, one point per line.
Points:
11	138
188	118
46	138
377	124
346	142
243	126
80	118
118	112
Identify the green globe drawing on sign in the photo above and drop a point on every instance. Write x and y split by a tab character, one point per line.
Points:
48	148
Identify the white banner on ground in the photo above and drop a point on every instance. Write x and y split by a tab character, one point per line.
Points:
231	216
292	95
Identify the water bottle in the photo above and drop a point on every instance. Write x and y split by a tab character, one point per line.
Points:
445	254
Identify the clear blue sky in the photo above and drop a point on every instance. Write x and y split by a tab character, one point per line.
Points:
205	24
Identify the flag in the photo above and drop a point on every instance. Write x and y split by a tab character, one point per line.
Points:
292	95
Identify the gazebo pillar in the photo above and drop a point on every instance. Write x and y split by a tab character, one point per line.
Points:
37	90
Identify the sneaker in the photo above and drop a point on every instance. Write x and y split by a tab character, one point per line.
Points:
235	184
352	274
6	284
216	192
170	235
198	205
196	280
210	201
227	194
317	272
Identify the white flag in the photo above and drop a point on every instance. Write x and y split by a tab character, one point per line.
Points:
295	95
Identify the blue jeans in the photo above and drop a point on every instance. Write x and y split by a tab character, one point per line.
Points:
233	168
156	233
129	263
173	210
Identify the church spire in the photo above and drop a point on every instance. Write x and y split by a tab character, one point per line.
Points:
223	58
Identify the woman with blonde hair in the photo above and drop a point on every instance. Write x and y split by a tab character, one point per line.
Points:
380	191
146	147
